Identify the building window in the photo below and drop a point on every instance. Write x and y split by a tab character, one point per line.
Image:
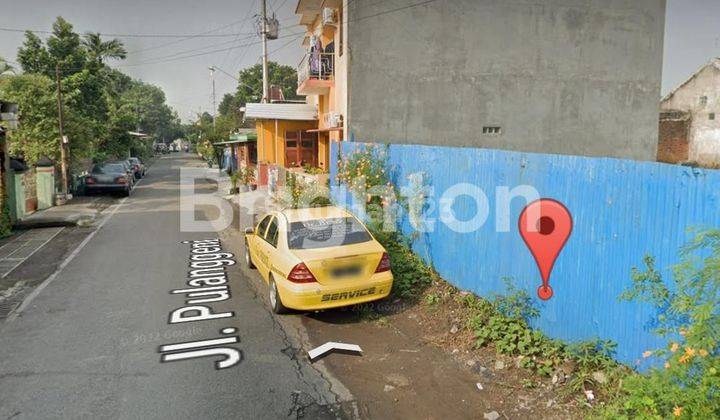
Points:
711	116
703	100
491	130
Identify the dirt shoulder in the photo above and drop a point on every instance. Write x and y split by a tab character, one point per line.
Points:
417	362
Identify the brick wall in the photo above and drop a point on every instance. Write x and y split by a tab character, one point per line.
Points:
30	187
673	144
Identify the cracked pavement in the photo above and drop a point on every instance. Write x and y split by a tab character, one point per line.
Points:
87	345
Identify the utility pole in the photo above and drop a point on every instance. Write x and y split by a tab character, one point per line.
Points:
263	34
212	79
63	140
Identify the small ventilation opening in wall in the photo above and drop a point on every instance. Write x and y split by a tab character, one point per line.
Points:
493	129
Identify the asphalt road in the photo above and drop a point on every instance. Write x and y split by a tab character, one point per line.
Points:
86	344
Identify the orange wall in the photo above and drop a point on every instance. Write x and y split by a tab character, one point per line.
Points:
333	101
271	148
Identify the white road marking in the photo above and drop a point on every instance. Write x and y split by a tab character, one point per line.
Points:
17	311
13	241
21	260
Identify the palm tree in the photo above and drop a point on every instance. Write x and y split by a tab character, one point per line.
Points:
100	50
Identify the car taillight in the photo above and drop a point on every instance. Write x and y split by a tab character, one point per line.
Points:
301	274
120	180
384	264
89	180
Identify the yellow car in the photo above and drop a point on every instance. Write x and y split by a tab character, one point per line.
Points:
317	258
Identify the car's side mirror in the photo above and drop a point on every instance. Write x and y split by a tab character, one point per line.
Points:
249	231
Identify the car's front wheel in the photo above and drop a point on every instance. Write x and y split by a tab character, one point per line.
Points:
275	302
248	258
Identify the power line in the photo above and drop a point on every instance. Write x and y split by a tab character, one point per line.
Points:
248	35
192	50
185	36
183	39
286	44
176	58
280	7
422	3
245	19
204	53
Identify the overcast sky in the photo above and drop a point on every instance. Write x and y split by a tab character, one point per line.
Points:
692	37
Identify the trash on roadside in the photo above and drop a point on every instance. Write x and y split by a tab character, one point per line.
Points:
493	415
589	395
479	386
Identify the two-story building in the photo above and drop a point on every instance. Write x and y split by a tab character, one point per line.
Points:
294	135
690	121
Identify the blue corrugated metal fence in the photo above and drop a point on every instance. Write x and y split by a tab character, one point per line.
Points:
622	211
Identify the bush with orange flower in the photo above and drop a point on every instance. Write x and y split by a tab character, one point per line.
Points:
688	383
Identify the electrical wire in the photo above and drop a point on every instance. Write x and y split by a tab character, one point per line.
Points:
286	44
245	19
204	53
184	36
203	48
178	56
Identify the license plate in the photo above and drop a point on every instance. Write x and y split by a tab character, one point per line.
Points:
348	271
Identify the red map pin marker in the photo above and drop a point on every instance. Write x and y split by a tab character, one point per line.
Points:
545	226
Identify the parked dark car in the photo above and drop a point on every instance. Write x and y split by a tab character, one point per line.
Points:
128	169
138	167
109	177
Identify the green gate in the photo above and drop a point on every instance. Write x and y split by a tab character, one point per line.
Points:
45	181
16	195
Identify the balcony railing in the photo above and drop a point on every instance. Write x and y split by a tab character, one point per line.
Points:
316	66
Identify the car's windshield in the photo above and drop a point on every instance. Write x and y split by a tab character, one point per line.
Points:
109	168
324	233
134	160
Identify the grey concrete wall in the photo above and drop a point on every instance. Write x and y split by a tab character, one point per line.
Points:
579	77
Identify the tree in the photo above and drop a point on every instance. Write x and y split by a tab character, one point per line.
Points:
33	56
250	86
63	47
37	134
250	89
229	105
101	105
5	68
99	50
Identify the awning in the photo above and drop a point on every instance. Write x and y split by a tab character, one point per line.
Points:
238	139
275	111
226	143
243	137
324	130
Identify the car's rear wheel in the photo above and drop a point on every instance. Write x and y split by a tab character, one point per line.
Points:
275	301
248	258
